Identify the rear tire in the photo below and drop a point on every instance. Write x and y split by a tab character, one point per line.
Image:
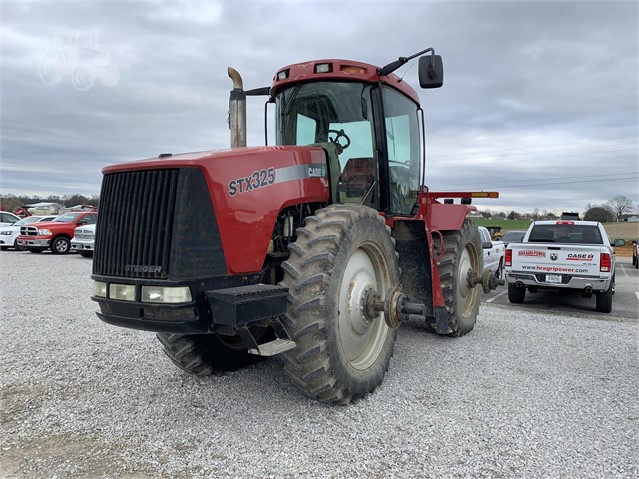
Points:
462	253
604	299
341	253
35	250
205	354
515	294
87	255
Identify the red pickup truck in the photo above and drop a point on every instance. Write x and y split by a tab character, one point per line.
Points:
56	234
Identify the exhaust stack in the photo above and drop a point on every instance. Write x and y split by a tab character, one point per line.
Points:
237	110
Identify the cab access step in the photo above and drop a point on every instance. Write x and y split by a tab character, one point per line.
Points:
236	309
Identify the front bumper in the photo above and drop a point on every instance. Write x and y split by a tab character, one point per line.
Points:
34	242
79	245
222	305
567	282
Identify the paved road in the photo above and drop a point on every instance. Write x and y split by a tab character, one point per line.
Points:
625	302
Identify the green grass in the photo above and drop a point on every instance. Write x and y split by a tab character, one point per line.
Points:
506	225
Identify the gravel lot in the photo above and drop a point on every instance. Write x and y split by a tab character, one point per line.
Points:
524	395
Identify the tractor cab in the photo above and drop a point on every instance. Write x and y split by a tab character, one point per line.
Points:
370	134
367	120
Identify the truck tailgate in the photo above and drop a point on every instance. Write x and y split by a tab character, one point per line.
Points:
544	258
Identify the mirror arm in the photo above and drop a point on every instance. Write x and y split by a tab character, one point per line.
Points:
392	66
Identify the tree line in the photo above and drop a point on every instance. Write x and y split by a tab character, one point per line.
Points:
611	211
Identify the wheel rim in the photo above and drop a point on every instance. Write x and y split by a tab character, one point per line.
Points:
61	246
362	339
467	296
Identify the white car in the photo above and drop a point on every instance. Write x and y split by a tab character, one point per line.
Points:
7	219
83	240
493	252
9	234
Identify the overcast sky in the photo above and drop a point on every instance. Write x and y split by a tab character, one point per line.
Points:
540	100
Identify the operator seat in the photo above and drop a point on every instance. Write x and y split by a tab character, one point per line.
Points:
358	176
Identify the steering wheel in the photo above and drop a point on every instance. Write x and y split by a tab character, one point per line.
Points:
338	134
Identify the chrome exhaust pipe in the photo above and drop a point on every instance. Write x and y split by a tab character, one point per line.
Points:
519	284
237	110
588	289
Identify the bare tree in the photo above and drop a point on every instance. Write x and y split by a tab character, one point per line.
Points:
620	205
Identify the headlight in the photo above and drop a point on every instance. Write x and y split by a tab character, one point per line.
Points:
44	232
99	289
123	292
6	233
160	294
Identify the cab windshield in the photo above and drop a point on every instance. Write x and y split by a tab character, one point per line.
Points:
338	117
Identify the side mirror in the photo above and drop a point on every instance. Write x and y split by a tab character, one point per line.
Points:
431	71
487	245
619	242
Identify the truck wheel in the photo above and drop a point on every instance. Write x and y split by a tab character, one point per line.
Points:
515	294
604	299
60	245
204	354
462	253
344	253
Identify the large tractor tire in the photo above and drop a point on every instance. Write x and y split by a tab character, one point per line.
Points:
342	254
463	256
205	354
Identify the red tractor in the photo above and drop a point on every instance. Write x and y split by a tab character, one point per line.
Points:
316	248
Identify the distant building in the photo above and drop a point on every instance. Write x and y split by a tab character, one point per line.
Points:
629	218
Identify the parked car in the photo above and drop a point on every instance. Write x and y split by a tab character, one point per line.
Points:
9	234
493	253
83	240
7	219
55	234
513	236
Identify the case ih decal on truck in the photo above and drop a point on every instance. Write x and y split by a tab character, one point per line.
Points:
316	248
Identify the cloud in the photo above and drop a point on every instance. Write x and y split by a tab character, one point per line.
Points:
533	90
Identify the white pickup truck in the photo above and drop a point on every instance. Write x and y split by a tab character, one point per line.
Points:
569	256
493	252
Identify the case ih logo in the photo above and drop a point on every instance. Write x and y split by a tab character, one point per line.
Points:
532	254
580	257
553	257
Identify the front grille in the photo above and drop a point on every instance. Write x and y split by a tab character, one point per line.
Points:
157	224
83	235
28	231
136	222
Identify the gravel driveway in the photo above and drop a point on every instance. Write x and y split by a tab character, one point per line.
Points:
524	395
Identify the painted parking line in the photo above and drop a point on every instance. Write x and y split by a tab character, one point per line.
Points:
623	270
637	293
504	292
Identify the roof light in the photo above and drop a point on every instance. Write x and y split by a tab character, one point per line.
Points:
349	69
323	68
283	75
565	222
